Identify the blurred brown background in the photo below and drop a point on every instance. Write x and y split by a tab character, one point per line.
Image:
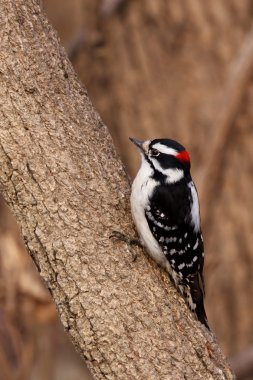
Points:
178	69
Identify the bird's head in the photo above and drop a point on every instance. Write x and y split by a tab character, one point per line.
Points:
166	158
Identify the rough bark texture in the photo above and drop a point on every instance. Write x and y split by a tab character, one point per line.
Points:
68	190
33	344
183	69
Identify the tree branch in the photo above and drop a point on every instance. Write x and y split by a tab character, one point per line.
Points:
238	78
242	364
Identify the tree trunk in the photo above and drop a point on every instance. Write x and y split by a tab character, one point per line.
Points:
183	69
64	182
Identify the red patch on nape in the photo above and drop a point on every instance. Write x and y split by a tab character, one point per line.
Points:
183	156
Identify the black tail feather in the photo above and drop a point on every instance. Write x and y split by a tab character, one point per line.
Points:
201	314
197	289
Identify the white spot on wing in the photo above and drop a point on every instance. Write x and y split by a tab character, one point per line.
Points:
196	244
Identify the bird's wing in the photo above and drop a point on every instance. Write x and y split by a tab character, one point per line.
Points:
182	246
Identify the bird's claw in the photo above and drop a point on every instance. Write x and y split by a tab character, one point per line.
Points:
128	240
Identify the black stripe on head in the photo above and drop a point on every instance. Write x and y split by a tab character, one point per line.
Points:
171	154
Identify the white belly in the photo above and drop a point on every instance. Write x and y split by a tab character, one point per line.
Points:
139	201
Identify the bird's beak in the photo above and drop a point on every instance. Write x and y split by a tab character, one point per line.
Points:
138	143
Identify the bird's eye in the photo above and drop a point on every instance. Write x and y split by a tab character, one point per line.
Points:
155	152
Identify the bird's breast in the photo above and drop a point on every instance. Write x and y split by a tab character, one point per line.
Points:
139	202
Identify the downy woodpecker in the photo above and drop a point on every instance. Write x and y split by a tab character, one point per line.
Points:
165	209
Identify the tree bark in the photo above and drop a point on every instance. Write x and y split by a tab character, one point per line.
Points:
66	186
183	69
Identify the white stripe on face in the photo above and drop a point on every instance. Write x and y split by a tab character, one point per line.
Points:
173	175
165	149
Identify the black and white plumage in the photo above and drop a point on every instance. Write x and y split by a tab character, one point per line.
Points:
165	209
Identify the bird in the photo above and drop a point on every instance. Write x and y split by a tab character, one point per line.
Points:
165	209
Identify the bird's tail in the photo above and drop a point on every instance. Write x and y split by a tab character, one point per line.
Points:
201	313
196	297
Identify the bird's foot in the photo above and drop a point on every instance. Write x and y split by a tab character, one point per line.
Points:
128	240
